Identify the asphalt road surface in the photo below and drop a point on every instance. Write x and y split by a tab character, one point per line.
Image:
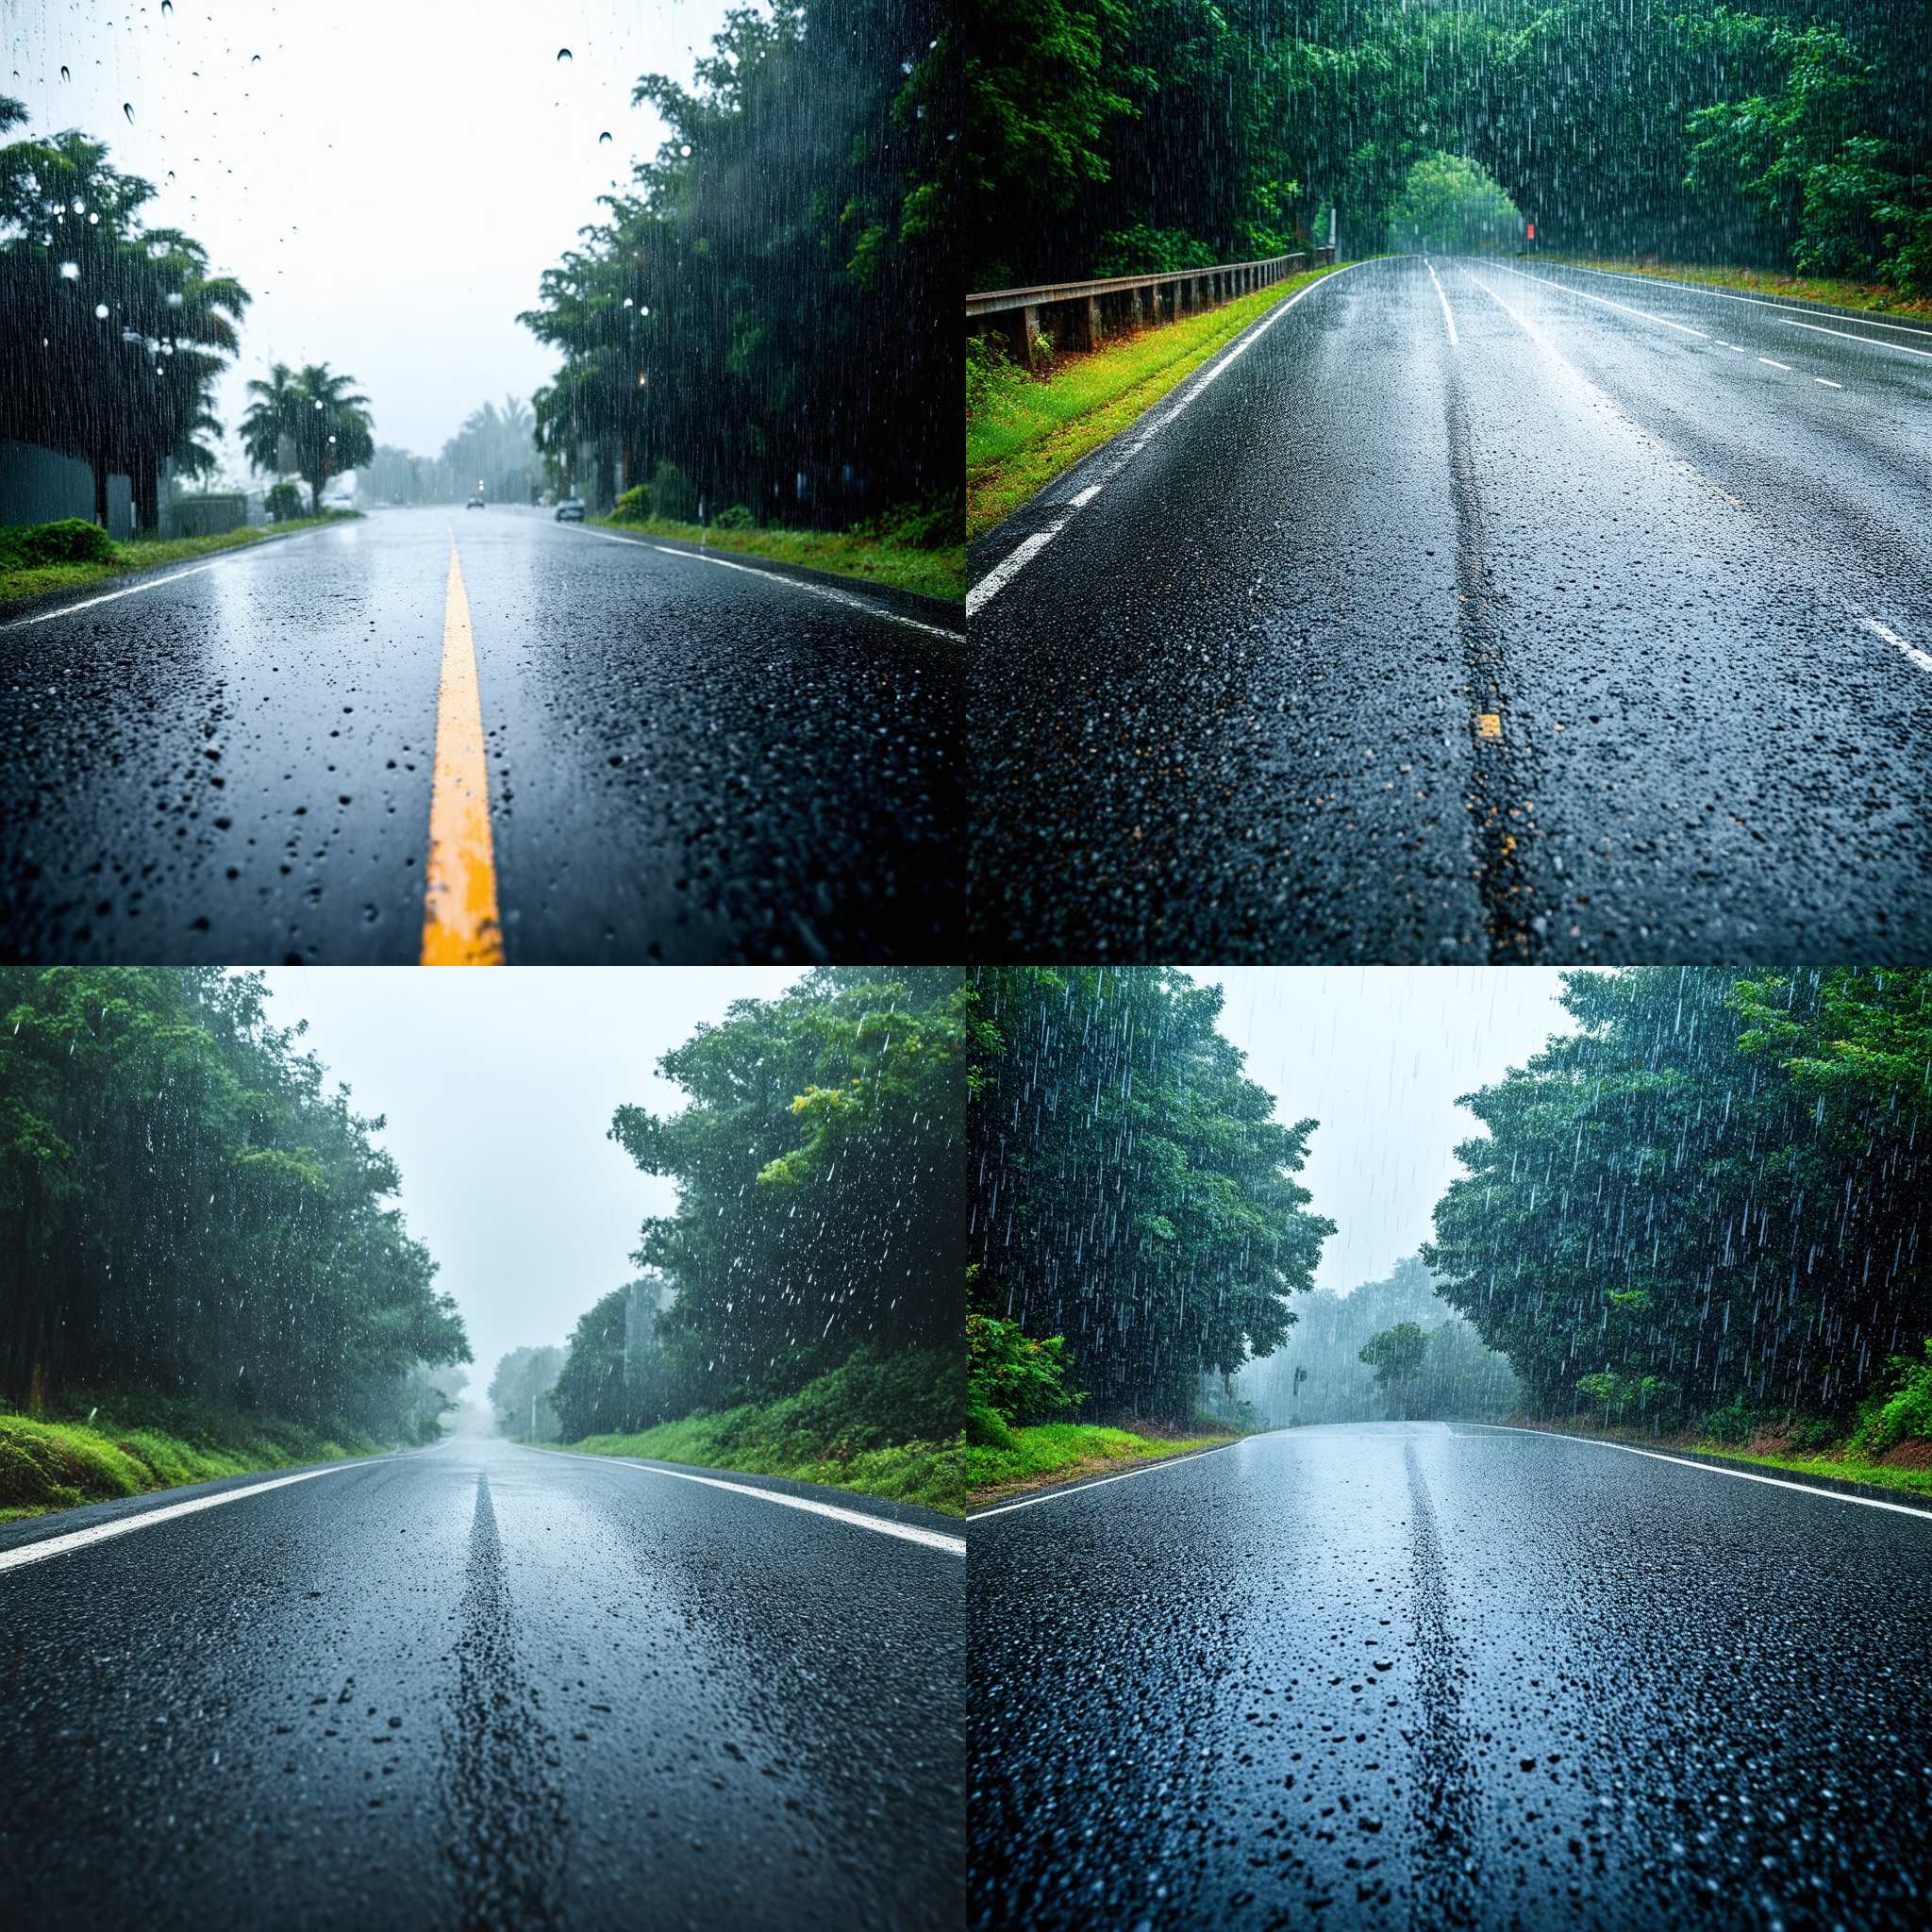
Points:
685	759
1416	1675
1474	610
483	1687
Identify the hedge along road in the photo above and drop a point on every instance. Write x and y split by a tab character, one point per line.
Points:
497	739
1474	611
484	1685
1392	1676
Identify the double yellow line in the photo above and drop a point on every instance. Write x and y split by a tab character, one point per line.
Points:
460	924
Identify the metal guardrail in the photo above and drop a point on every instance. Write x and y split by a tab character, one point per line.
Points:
1088	309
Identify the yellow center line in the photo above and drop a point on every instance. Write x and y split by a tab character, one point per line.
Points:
1488	725
460	923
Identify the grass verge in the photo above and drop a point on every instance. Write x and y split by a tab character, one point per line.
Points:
1840	1465
1049	1453
873	553
137	1445
1025	431
1876	297
40	580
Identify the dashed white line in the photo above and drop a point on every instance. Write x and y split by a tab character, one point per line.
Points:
1448	316
1769	363
1724	295
1002	573
1582	295
1819	328
908	1532
1826	382
1713	1469
1086	496
125	1525
1892	637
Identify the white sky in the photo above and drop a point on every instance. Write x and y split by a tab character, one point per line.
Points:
389	182
499	1087
1378	1055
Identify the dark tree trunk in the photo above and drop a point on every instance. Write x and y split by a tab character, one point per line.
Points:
147	497
100	469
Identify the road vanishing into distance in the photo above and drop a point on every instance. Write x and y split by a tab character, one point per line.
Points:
1426	1675
646	754
484	1685
1474	610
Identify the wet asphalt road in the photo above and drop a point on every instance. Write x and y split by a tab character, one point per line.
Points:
1415	1675
686	762
483	1686
1233	709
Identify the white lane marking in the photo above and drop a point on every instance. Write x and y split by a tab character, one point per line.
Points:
107	596
911	1532
1736	348
1087	496
79	1539
1819	328
1712	1469
1003	572
1099	1483
1785	366
1892	637
1725	295
1448	316
772	577
1583	296
1826	382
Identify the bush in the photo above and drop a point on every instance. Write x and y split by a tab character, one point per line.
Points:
1812	1435
1649	1398
992	378
632	506
72	539
1736	1421
1905	1415
1016	1378
735	516
674	495
285	500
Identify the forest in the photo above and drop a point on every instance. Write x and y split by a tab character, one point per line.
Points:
811	1265
191	1210
754	320
1108	136
1134	1202
1706	1206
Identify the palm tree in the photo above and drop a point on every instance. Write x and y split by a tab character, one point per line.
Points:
312	417
270	419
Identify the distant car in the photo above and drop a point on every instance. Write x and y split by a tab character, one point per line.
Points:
571	511
474	502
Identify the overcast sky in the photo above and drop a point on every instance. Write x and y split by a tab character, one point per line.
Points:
1378	1055
388	179
499	1087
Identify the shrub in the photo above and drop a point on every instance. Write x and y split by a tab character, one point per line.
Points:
1812	1435
633	506
734	516
285	500
1736	1421
674	495
1649	1397
72	539
1905	1414
1019	1378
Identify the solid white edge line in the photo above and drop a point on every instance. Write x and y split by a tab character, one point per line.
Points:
1819	328
108	596
1448	315
79	1539
1101	1482
1576	268
911	1532
1710	1468
1583	296
772	576
1892	637
1003	572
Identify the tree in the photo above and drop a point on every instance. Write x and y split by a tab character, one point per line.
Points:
308	420
1396	1355
520	1394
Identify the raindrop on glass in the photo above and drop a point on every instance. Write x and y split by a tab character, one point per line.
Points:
69	270
128	108
563	53
101	311
65	75
603	139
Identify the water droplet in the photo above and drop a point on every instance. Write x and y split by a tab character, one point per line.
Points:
174	299
685	149
167	6
256	62
101	311
65	75
645	310
603	139
80	208
128	108
94	221
563	53
69	270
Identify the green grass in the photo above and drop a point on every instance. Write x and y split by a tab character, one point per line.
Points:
1876	297
1048	1453
876	554
151	1444
1026	432
38	581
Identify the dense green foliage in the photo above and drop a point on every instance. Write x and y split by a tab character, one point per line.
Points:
521	1396
1013	1377
1707	1204
1395	1354
763	304
310	421
1106	135
1132	1194
1449	206
821	1213
71	540
187	1208
115	332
